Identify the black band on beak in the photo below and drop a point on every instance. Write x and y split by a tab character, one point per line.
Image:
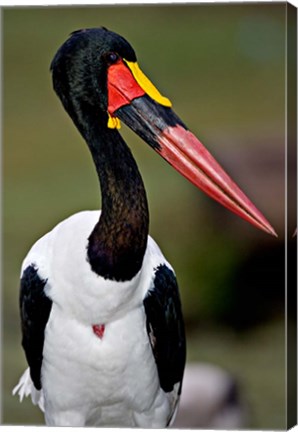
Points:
148	119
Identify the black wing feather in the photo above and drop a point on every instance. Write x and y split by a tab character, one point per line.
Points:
35	308
165	327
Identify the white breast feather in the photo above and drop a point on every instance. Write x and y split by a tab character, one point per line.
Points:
79	369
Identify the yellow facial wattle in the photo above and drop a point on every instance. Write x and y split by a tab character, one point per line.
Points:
114	122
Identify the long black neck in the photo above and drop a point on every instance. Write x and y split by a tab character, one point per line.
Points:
118	242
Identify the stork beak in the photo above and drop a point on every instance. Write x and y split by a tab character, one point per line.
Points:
151	117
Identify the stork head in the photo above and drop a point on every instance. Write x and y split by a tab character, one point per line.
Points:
97	77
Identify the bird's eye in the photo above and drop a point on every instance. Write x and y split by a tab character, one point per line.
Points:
111	57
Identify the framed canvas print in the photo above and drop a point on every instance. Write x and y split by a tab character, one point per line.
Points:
149	216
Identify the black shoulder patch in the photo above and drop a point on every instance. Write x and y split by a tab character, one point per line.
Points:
165	328
35	308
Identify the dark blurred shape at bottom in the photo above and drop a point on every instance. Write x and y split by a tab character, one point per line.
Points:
210	399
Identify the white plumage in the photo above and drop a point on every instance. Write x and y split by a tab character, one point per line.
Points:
79	368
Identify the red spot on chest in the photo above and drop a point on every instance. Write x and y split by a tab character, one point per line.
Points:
98	330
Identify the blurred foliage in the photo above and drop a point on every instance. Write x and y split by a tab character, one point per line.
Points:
223	68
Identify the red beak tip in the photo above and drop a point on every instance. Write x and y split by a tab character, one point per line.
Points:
270	230
274	233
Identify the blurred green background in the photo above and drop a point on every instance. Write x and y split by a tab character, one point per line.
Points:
223	68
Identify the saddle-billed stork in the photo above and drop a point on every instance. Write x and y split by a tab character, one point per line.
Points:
102	326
